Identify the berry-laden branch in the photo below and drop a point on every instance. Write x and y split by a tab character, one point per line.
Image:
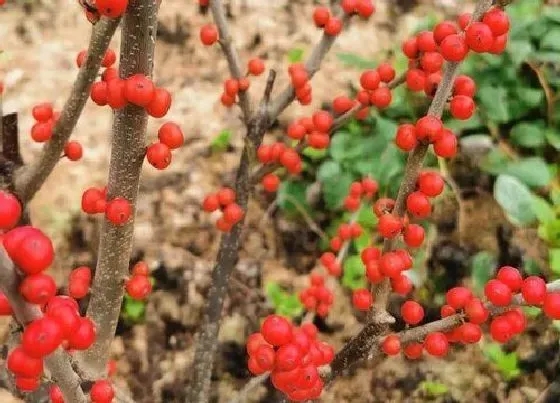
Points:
29	179
57	363
127	154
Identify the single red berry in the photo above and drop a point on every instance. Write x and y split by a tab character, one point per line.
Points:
447	310
402	285
243	83
464	20
412	312
333	27
462	107
446	146
109	58
430	183
81	58
42	112
476	311
233	213
443	30
99	93
55	394
418	204
436	344
27	384
413	351
10	210
381	98
208	34
362	299
470	333
109	74
373	272
511	277
370	79
223	225
552	306
413	235
516	319
534	290
171	135
73	150
501	329
430	128
365	8
254	367
370	253
415	79
118	211
141	269
41	337
276	330
349	6
288	357
464	85
389	226
410	48
342	104
391	345
83	338
406	137
21	364
426	42
111	8
499	44
431	62
90	198
159	155
478	37
253	342
458	297
270	183
102	392
139	90
226	196
322	121
35	253
256	66
160	103
41	132
386	72
370	186
391	264
5	307
38	288
454	48
138	287
62	300
497	20
335	243
321	16
66	316
115	93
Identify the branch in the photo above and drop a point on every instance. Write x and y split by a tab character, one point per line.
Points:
360	345
127	155
227	258
231	54
57	363
30	178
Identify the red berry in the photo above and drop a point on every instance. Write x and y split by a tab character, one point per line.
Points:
391	264
511	277
362	299
138	287
431	62
41	132
401	284
299	79
552	306
139	90
55	394
27	384
208	34
226	196
413	235
342	105
233	213
470	333
418	204
256	66
322	121
436	344
38	288
412	312
464	85
349	6
386	72
406	137
270	183
413	351
111	8
171	135
370	253
365	8
66	316
370	186
370	79
391	345
410	48
462	107
534	290
99	93
516	319
109	74
41	337
447	310
454	48
430	183
42	112
464	20
115	93
476	311
288	357
276	330
10	210
109	58
35	253
118	211
73	150
478	37
160	103
84	337
443	30
426	42
335	244
254	367
429	127
159	155
497	20
499	44
102	392
5	308
501	329
458	297
333	27
415	79
389	226
381	98
446	146
21	364
81	58
321	16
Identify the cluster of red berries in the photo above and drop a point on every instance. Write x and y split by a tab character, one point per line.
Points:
170	137
224	199
333	25
314	129
366	188
139	286
109	8
101	392
233	86
291	354
317	298
281	154
300	81
374	89
79	282
117	211
389	265
45	119
427	129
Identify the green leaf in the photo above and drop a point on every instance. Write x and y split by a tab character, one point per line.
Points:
290	194
434	389
133	309
529	135
483	266
547	57
314	153
284	303
495	162
553	137
329	170
531	266
515	198
554	260
494	101
507	363
531	311
532	171
552	13
220	143
519	51
353	60
362	241
295	55
543	210
335	190
551	41
366	217
552	232
354	273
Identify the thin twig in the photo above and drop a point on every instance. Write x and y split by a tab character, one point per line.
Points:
249	386
57	363
29	179
549	94
231	54
127	155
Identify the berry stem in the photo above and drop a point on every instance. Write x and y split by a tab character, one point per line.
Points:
29	179
231	54
128	148
58	363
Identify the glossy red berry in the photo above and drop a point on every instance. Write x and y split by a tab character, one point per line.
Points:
102	392
66	316
436	344
118	211
211	203
464	85
233	213
323	121
115	93
84	337
391	264
26	384
41	132
381	98
478	37
413	235
288	357
391	345
447	310
159	155
429	128
501	329
534	290
446	146
431	62
42	112
552	306
386	72
256	66
410	48
406	137
99	93
21	364
321	16
139	90
73	150
111	8
171	135
458	297
362	299
276	330
10	210
55	394
141	269
418	204
370	79
226	196
511	277
476	311
389	226
138	287
401	284
412	312
470	333
160	103
38	288
270	183
35	253
454	48
499	44
5	307
497	20
413	351
443	30
208	34
41	337
430	183
462	107
426	42
415	79
516	319
333	27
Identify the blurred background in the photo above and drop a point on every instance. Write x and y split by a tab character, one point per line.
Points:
502	205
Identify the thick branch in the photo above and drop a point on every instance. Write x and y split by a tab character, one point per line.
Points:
226	261
127	154
231	54
30	178
57	363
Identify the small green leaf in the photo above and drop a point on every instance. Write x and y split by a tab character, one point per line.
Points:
366	218
551	41
529	135
553	137
543	210
290	194
494	101
328	170
515	198
220	143
532	171
284	303
353	60
362	241
519	51
434	389
295	55
554	260
354	273
335	190
531	266
483	266
314	153
495	162
133	309
531	311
